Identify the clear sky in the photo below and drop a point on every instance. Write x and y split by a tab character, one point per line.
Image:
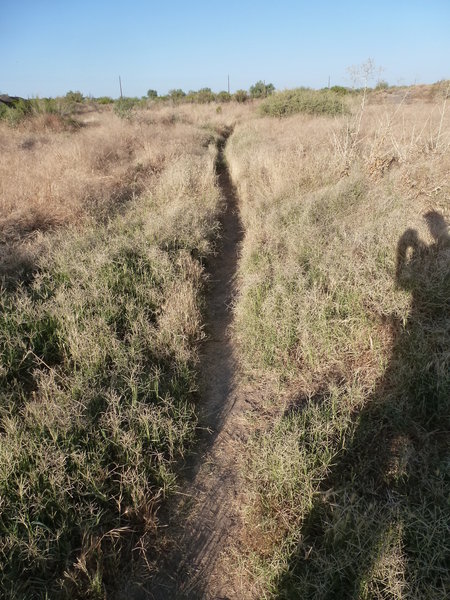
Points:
48	47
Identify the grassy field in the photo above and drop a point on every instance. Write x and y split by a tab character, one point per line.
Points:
108	217
105	230
344	299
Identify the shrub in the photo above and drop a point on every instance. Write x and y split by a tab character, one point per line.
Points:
176	95
205	96
303	100
382	85
104	100
56	113
124	107
202	96
16	113
223	97
74	96
340	90
46	105
241	96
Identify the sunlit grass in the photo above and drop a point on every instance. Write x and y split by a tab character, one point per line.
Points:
348	307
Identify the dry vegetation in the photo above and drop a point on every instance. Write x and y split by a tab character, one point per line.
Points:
105	229
344	298
106	224
52	175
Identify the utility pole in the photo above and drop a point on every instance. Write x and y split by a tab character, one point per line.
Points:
328	82
120	84
228	84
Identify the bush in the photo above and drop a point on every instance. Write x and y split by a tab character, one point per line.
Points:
340	90
60	108
104	100
241	96
382	85
152	94
16	113
124	107
223	97
46	105
176	95
302	100
203	96
74	96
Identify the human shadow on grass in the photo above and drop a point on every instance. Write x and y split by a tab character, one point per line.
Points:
378	527
17	265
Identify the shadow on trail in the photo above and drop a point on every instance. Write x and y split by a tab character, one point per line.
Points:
379	526
194	532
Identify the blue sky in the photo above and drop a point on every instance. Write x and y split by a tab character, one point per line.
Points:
48	47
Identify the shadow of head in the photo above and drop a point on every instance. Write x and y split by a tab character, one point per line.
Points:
414	256
438	227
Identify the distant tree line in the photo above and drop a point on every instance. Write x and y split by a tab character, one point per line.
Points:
14	109
205	95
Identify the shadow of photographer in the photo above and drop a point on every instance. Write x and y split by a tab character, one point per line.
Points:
378	527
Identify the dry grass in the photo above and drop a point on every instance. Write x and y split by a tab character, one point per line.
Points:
54	177
344	297
99	342
49	179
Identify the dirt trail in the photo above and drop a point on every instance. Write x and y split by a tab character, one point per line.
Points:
205	517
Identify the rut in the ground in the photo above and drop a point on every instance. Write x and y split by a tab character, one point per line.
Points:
204	519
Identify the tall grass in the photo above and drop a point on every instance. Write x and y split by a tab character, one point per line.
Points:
52	177
99	357
344	289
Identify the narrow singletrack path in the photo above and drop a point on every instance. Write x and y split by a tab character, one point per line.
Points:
205	517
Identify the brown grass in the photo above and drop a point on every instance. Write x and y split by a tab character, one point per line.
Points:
326	206
51	176
345	491
99	343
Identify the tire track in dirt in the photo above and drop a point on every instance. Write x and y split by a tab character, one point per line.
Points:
205	518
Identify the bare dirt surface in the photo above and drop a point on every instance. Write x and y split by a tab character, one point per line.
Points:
204	519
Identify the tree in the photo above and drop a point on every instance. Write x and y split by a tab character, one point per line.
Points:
261	90
361	75
176	95
152	94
